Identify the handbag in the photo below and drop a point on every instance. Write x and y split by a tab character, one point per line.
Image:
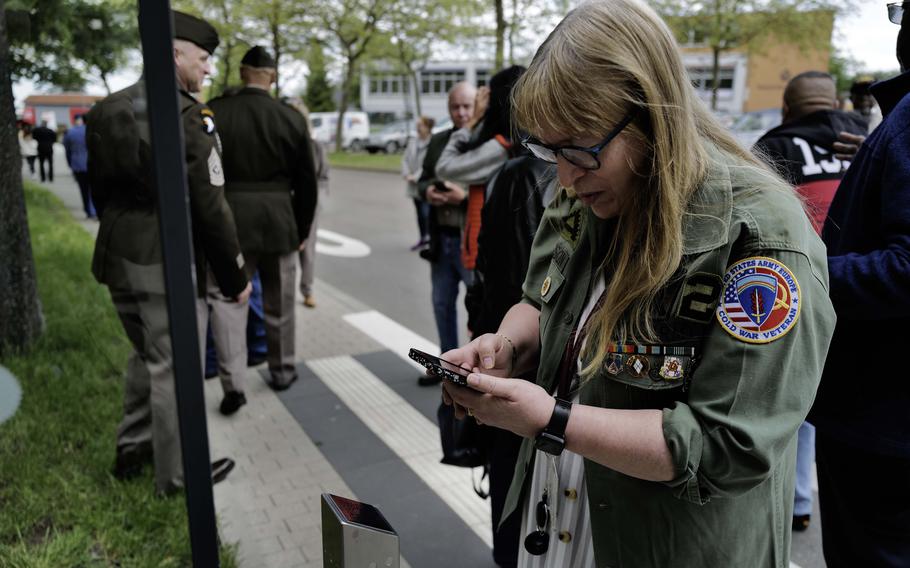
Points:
463	444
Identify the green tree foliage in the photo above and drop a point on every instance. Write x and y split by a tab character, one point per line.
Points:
726	25
318	95
351	26
61	42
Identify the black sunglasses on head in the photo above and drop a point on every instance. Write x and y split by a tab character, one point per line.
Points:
896	12
585	158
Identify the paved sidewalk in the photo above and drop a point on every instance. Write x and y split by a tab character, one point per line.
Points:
270	505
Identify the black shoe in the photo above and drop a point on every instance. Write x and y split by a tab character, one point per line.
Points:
131	459
426	381
254	360
801	522
232	402
221	468
282	385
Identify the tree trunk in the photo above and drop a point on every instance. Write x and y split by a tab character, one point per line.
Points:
413	78
513	29
225	81
500	37
21	321
107	86
343	105
715	76
276	49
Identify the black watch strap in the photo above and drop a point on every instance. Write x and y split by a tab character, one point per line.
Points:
553	438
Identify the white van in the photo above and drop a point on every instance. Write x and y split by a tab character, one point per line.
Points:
355	133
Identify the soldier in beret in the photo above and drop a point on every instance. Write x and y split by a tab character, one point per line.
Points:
128	249
271	187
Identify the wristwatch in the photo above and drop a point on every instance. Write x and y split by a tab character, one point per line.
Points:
553	438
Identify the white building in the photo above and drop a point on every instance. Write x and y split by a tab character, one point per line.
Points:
390	92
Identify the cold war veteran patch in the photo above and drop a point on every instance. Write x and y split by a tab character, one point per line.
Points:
761	300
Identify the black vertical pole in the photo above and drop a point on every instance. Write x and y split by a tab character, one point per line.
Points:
168	157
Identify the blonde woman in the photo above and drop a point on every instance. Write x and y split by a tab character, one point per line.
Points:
676	310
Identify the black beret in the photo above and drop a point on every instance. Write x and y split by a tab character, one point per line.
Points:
258	56
195	30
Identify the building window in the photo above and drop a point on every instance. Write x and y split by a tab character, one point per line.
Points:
483	77
439	82
701	78
386	84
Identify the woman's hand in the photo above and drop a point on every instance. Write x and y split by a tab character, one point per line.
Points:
516	405
481	102
489	353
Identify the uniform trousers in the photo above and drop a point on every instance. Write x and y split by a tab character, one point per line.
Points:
149	398
308	260
865	505
228	322
278	274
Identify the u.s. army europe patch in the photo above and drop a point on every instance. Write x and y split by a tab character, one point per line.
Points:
761	300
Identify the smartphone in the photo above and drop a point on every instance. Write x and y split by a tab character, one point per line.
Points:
441	368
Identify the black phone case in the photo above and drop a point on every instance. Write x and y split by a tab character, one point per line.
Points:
429	361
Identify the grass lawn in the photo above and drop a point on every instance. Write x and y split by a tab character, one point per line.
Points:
365	161
59	504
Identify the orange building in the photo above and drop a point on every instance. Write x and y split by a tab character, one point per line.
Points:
755	79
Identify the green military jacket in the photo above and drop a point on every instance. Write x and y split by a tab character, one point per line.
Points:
732	397
128	247
268	165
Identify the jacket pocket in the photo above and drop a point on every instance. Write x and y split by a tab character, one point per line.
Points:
650	376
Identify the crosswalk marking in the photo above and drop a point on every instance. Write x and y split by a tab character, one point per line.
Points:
390	334
413	438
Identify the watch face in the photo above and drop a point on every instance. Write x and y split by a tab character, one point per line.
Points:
549	443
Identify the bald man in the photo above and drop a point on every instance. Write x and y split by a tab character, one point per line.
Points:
802	149
447	201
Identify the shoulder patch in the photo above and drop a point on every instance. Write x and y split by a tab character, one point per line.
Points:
572	225
761	300
208	121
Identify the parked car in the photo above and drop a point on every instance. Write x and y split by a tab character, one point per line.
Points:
355	132
750	126
391	138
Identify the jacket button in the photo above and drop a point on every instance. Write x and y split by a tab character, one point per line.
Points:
603	505
571	494
565	536
568	319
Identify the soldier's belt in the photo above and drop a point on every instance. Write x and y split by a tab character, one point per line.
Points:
257	186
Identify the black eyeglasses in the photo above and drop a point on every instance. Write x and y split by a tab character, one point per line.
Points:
896	12
537	542
585	158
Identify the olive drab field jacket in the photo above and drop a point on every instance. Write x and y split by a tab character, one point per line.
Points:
744	327
128	247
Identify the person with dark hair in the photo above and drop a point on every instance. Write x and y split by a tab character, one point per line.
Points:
802	148
77	158
271	187
860	412
128	249
46	138
476	151
863	102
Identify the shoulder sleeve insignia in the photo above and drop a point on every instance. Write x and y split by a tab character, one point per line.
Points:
761	300
216	172
208	120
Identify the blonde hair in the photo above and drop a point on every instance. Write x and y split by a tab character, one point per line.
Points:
605	59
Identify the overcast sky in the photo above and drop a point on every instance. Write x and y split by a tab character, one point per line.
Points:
867	36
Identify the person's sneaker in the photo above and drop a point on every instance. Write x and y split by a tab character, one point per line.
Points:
131	459
426	381
232	402
308	301
221	468
801	522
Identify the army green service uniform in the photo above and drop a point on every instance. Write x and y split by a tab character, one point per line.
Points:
271	187
128	257
733	392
